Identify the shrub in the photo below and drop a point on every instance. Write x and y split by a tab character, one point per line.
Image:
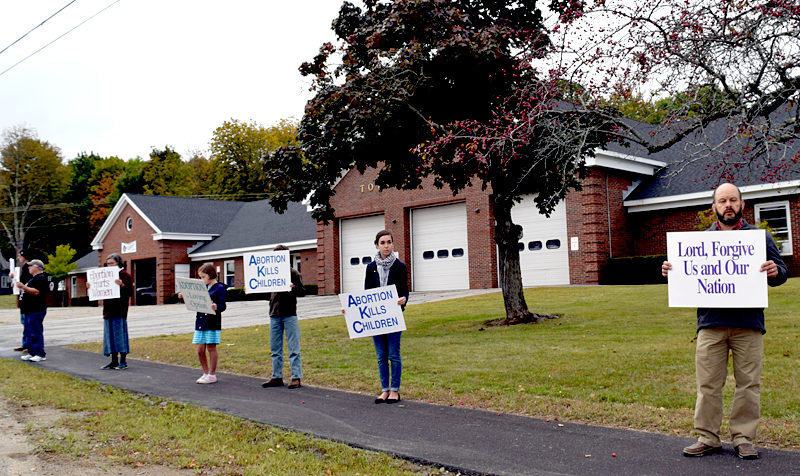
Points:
82	301
633	270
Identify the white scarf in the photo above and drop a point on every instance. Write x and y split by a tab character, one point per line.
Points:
383	266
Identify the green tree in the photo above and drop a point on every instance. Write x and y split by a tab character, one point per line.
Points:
238	151
167	174
442	89
60	264
33	181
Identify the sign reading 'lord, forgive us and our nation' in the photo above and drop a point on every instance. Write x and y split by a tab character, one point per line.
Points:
373	312
717	269
267	272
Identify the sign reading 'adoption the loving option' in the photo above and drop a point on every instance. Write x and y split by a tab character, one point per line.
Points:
373	312
717	269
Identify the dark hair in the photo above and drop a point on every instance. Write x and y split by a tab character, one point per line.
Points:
116	258
381	234
281	248
209	270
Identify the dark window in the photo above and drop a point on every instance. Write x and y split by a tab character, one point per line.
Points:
458	252
521	246
553	244
427	255
366	260
442	254
354	261
534	245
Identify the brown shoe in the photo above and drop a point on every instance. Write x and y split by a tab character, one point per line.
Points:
273	382
19	349
746	451
701	449
295	383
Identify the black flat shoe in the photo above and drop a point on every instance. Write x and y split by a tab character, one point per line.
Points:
109	366
380	400
393	400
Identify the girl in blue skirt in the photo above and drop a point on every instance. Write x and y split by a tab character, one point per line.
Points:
207	327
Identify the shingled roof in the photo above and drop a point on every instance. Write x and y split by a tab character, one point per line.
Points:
186	215
257	224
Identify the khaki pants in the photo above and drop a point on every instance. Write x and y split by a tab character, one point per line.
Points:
711	362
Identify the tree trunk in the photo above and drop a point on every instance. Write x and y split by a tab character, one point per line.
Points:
507	236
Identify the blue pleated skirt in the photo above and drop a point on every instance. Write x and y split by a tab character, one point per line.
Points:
206	337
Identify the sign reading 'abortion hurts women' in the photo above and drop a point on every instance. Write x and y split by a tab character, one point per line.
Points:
103	283
267	272
717	269
373	312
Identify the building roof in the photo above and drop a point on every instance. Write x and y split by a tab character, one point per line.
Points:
700	162
257	225
87	261
186	215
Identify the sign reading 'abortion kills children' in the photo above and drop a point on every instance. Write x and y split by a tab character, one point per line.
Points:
103	283
717	269
373	312
267	272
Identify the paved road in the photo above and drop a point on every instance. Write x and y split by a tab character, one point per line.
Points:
469	440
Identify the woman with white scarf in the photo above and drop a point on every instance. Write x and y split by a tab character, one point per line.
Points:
386	270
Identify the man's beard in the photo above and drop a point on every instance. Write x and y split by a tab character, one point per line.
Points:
730	221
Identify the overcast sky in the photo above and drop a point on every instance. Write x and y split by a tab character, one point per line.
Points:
150	73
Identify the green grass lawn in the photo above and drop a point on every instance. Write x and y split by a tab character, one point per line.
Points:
8	301
127	428
618	356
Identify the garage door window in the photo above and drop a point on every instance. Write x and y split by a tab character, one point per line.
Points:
534	245
458	252
427	255
553	244
442	254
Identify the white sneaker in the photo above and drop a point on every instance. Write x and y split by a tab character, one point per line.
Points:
37	358
208	379
202	379
26	356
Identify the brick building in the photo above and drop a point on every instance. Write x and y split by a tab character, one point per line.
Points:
628	202
161	238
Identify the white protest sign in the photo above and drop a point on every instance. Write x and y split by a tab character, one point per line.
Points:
195	295
717	269
14	269
102	285
373	312
267	272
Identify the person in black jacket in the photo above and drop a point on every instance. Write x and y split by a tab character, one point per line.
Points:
24	277
386	270
283	318
738	331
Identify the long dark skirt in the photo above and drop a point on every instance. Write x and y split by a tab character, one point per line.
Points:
115	336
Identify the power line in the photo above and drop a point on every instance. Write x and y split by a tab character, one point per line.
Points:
59	37
37	26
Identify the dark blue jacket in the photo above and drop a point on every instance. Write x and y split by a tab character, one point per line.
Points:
212	322
398	275
747	317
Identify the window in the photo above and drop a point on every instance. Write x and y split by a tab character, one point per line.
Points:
427	255
366	260
74	286
442	254
129	223
776	214
458	252
521	246
355	261
230	273
553	244
534	245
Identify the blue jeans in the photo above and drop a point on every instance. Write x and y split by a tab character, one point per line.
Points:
25	342
277	326
387	346
33	332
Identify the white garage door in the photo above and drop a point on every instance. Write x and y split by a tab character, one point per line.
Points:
357	248
439	248
543	252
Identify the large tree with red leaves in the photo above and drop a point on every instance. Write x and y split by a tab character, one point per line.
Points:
445	89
